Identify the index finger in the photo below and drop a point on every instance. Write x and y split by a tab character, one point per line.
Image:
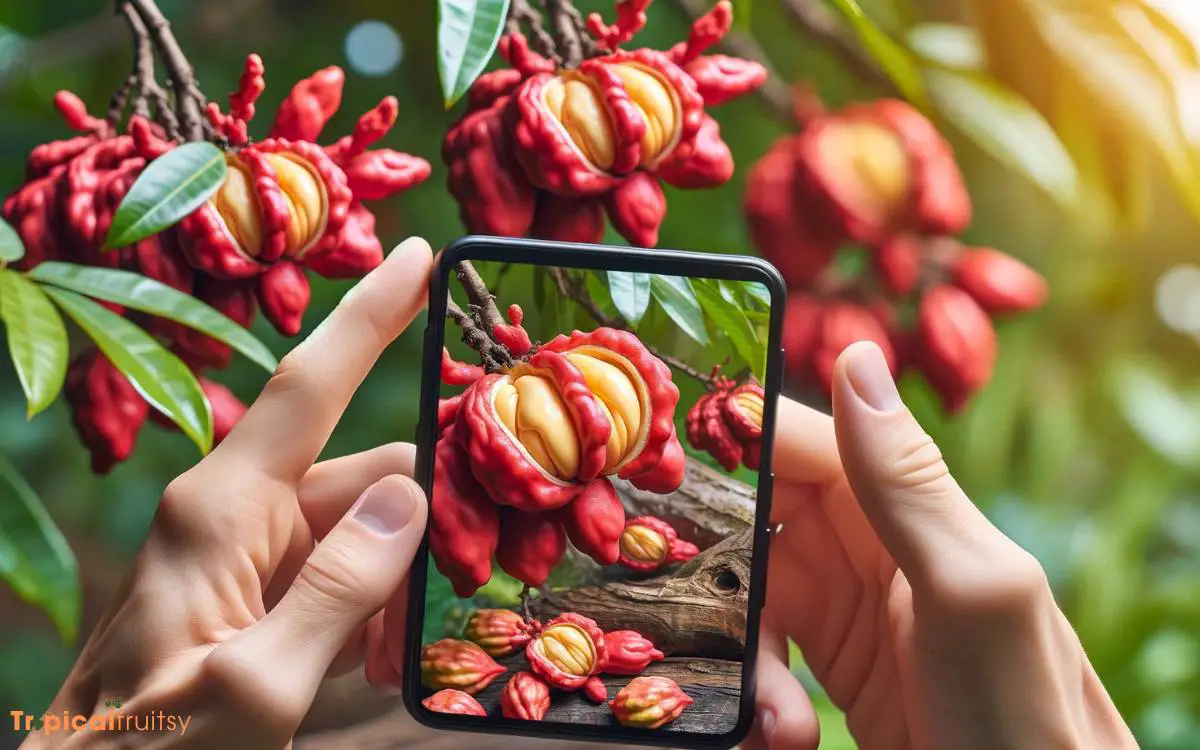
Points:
287	426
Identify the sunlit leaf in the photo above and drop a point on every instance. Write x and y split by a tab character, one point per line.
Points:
895	61
12	248
950	45
678	300
149	296
158	375
468	31
37	340
731	320
630	294
171	187
1007	127
759	292
35	559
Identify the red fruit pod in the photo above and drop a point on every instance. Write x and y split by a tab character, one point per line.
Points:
594	521
531	544
235	300
491	86
549	157
629	652
658	395
842	324
649	702
636	207
284	293
667	475
450	701
801	332
595	691
752	455
646	543
514	337
107	411
357	252
498	459
787	229
497	631
494	196
743	410
716	437
379	174
460	665
720	78
74	113
464	524
706	162
568	219
625	118
309	105
227	409
458	373
957	346
525	696
568	651
898	263
447	411
306	239
1000	283
45	157
682	551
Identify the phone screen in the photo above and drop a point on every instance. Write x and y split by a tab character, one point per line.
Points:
594	500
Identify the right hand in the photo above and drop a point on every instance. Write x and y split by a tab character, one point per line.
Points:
923	622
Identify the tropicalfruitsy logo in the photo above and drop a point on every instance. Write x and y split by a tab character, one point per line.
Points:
110	720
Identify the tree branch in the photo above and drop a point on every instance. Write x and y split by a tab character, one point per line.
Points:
571	288
188	100
569	35
520	11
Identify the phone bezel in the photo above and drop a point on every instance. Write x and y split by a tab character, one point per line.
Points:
593	257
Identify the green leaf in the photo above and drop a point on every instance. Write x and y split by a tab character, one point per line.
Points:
758	292
12	248
149	296
630	294
34	557
675	295
468	31
731	320
1008	127
37	340
949	45
171	187
162	379
895	61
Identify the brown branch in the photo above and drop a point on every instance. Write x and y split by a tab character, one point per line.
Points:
188	99
571	288
492	355
565	22
520	11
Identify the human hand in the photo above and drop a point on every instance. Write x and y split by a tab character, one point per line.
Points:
922	621
263	572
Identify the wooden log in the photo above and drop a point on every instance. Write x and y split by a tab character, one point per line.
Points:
698	609
707	508
714	684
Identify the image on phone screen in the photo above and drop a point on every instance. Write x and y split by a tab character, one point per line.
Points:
593	509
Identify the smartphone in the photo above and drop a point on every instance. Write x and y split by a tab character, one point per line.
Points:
595	440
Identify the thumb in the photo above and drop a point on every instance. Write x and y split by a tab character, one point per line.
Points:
896	472
348	577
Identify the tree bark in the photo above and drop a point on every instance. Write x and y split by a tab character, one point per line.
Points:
698	609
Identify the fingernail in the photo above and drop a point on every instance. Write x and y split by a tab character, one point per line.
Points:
870	378
386	506
769	724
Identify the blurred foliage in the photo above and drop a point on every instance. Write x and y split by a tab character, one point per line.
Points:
1085	447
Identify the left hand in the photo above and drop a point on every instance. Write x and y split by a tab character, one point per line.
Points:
262	571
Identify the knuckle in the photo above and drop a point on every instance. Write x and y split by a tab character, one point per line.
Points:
1011	588
292	374
332	574
237	681
917	465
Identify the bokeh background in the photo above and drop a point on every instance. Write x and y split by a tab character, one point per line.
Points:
1085	448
